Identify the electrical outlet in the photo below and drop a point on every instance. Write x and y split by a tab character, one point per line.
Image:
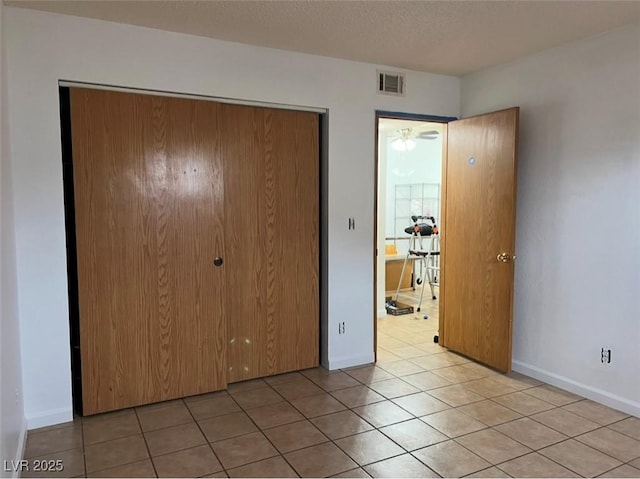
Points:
605	355
17	397
341	327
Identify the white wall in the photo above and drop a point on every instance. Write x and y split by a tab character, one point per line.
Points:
44	48
12	423
578	229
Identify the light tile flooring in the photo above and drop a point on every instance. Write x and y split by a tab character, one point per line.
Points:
420	412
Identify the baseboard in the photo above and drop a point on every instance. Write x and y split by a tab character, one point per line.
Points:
589	392
382	313
350	362
22	443
49	418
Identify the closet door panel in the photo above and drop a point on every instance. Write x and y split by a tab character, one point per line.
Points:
271	235
148	184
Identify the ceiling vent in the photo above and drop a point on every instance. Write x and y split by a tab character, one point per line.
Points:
390	83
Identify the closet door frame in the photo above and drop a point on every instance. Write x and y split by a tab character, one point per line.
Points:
70	222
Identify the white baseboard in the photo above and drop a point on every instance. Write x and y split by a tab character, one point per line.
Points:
382	313
49	418
604	397
22	443
350	362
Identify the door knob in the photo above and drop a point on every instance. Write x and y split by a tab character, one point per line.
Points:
218	261
505	257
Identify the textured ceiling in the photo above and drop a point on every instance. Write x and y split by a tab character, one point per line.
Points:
451	37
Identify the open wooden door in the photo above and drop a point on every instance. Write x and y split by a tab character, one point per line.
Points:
478	237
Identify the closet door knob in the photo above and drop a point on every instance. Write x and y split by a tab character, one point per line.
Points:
218	261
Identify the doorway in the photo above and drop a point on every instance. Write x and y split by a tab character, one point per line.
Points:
409	204
474	200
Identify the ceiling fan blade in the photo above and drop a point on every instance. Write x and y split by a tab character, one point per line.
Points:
428	134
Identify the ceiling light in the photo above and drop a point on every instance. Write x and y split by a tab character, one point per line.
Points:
403	144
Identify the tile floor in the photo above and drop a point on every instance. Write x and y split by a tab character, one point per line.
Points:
420	412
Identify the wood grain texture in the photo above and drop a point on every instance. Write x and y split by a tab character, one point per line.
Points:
149	192
477	292
272	240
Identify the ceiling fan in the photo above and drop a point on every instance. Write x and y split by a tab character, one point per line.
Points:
405	138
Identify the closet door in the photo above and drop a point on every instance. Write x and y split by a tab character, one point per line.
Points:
271	238
148	184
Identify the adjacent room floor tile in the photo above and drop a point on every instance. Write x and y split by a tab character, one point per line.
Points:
115	453
254	398
272	467
216	406
171	439
489	472
368	447
595	412
246	385
456	395
413	434
553	395
450	459
622	471
535	465
565	421
523	403
400	466
426	380
531	433
101	430
490	387
439	360
393	388
242	450
612	443
294	436
402	367
489	412
152	418
142	468
194	462
296	389
317	405
320	461
199	397
283	378
421	404
54	440
382	413
629	426
228	426
334	381
493	446
341	424
72	460
580	458
357	396
359	472
453	423
459	374
274	415
369	374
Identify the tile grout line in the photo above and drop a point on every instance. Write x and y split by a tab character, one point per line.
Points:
206	439
144	438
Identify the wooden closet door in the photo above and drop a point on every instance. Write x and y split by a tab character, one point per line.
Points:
271	237
148	183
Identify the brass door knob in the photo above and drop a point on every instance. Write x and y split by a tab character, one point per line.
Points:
505	257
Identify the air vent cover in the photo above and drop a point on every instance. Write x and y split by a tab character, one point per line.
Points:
391	83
